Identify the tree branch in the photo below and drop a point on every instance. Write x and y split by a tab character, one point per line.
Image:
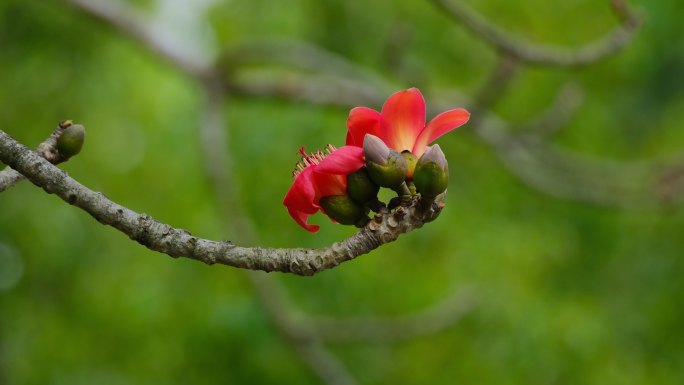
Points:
163	238
47	149
547	55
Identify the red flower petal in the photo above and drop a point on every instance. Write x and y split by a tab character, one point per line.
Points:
300	199
440	125
362	121
343	161
301	218
329	184
404	114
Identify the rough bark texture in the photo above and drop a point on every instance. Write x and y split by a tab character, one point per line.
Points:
384	228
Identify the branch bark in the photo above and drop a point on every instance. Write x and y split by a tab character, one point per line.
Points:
47	149
157	236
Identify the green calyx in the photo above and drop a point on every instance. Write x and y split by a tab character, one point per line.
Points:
343	209
430	179
361	188
431	175
71	141
392	174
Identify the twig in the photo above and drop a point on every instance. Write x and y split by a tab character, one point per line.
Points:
315	89
568	175
547	55
47	149
298	55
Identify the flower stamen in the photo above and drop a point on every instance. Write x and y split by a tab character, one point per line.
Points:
312	159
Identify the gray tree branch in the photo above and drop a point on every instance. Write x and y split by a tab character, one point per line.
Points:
47	149
384	228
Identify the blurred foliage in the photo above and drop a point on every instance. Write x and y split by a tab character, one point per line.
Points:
569	293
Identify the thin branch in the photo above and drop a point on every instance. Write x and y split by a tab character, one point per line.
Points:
299	55
432	320
569	175
47	149
315	89
157	236
547	55
9	178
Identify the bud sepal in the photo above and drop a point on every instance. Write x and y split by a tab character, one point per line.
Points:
431	176
386	167
344	210
361	188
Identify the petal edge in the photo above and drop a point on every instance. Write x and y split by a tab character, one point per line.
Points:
443	123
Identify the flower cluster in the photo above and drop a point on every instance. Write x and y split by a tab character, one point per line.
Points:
383	149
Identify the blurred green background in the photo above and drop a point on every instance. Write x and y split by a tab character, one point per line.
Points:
566	291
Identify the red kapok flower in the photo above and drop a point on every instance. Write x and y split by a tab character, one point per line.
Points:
401	123
319	175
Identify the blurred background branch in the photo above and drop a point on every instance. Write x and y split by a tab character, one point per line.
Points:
545	55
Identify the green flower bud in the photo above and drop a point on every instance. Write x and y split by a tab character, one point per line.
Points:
411	161
71	140
431	176
344	210
360	187
386	167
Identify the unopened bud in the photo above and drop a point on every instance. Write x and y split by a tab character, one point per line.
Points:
411	161
360	186
375	150
386	167
431	176
71	140
343	209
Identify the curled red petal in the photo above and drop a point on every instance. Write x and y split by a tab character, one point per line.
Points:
300	199
440	125
404	114
362	121
343	161
301	218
